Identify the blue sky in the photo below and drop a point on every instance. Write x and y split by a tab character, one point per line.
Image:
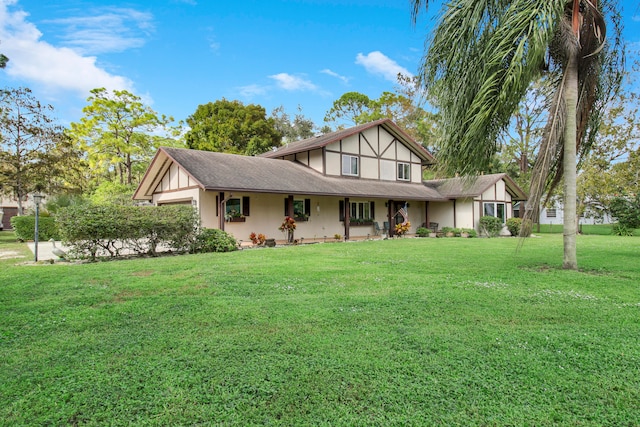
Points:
177	54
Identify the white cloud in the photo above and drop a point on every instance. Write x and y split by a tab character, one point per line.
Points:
378	63
250	91
293	83
331	73
106	30
54	68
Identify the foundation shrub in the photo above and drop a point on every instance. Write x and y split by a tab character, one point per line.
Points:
214	240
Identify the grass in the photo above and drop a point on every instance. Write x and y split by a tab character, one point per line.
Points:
586	229
400	332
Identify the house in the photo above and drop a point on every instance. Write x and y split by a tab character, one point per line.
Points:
350	183
554	214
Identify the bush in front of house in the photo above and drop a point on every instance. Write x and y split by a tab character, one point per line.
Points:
214	240
25	227
113	230
490	225
422	232
513	225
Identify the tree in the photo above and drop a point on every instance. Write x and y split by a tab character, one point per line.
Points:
231	127
613	164
3	60
401	106
28	137
349	107
480	62
519	143
119	134
292	130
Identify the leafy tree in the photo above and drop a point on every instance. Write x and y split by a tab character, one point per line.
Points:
29	137
401	106
350	107
3	60
627	211
613	165
480	63
119	134
292	130
519	142
232	127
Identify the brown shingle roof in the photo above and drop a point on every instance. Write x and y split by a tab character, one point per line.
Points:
230	172
328	138
474	186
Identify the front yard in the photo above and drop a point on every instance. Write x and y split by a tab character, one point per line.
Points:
397	332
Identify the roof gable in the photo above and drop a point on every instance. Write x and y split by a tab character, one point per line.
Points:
474	186
329	138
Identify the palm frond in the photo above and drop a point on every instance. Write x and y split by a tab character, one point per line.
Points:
479	64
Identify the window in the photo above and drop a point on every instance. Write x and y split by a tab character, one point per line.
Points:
495	209
358	211
404	171
551	213
232	209
236	208
301	209
349	165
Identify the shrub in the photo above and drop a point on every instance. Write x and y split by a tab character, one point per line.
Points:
619	229
513	225
113	229
214	240
470	231
627	211
423	231
25	227
490	225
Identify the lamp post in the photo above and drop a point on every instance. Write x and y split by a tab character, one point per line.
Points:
37	198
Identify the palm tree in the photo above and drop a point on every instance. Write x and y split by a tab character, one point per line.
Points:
481	60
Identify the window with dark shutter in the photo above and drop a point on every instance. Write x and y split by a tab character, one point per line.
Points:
341	209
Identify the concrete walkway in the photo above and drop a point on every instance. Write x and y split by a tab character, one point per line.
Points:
44	250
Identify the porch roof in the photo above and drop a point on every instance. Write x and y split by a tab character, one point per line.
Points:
230	172
474	186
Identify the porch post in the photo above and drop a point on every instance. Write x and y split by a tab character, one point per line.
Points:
347	219
221	210
426	214
391	218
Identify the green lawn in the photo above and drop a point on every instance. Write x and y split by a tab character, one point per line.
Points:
399	332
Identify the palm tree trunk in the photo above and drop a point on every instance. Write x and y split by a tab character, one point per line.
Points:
569	164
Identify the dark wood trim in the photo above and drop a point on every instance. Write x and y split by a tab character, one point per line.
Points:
347	212
221	211
176	190
391	218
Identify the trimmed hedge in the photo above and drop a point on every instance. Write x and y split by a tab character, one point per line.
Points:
490	225
112	230
25	227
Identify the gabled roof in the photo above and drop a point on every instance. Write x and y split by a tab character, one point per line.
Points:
329	138
231	172
474	186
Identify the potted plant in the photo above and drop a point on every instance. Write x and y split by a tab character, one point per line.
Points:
448	231
234	216
287	227
402	229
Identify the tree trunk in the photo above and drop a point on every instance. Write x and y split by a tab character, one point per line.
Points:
569	165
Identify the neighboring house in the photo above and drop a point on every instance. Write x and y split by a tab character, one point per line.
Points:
9	209
345	182
554	214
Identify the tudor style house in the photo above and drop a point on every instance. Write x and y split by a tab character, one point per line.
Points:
356	182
